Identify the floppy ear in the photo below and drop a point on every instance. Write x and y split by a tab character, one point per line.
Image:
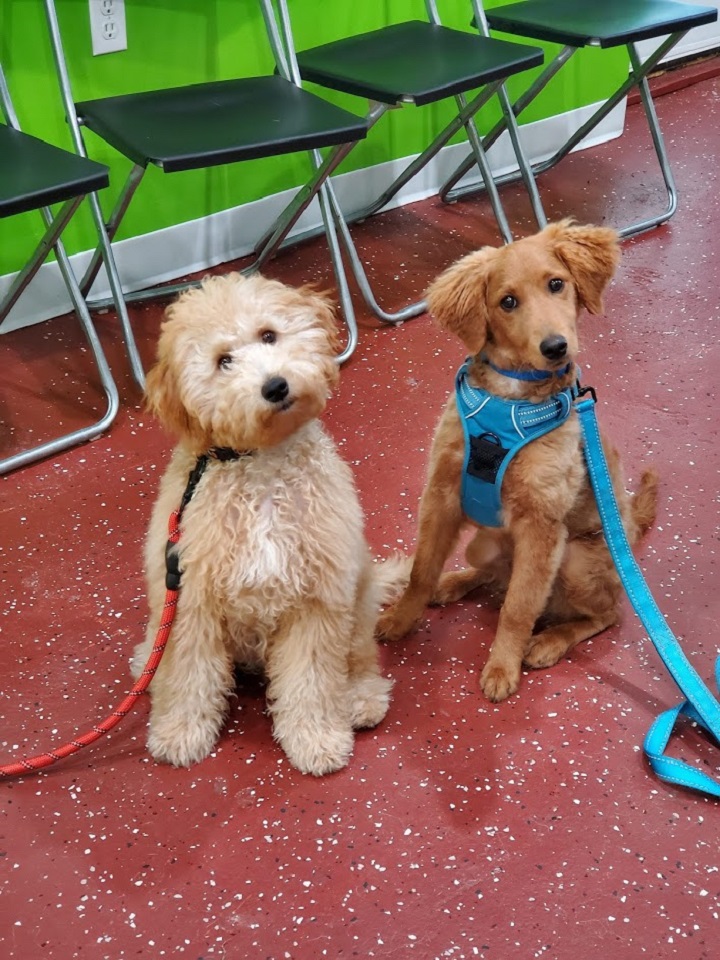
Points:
323	309
591	254
162	398
458	298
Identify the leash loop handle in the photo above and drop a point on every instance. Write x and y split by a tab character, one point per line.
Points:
700	705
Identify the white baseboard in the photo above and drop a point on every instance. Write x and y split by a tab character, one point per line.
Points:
221	237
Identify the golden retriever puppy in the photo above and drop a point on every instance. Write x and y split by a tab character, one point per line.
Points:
515	310
276	574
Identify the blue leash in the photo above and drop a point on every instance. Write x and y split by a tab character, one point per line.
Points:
700	705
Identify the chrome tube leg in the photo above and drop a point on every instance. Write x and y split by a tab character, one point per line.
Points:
464	118
84	434
447	193
54	227
273	239
413	168
111	227
105	246
450	195
83	313
360	273
117	293
346	304
660	151
486	173
526	171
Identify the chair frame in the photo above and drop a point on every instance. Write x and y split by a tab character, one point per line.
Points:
637	77
55	225
479	145
280	40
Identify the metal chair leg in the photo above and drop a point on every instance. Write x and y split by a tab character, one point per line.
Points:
461	119
84	434
450	195
104	243
464	117
360	274
637	78
660	151
486	173
54	228
118	298
346	304
111	227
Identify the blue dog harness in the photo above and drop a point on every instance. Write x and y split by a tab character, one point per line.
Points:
495	429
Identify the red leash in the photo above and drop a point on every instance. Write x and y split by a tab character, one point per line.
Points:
172	582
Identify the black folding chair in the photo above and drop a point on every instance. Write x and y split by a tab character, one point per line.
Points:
208	124
421	62
34	175
607	24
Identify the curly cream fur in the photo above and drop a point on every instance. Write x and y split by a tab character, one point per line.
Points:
276	574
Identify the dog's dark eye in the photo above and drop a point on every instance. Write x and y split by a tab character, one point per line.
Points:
268	336
508	303
556	285
224	361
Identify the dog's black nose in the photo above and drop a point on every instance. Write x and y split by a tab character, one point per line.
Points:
554	347
275	390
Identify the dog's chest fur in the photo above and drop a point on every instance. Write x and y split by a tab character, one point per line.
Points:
273	529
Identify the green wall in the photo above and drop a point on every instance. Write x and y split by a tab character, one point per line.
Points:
189	41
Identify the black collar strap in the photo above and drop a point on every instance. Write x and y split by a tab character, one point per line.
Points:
227	453
172	557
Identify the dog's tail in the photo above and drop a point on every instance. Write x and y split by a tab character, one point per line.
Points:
643	505
391	576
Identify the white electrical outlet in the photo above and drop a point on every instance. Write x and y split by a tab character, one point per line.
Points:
107	26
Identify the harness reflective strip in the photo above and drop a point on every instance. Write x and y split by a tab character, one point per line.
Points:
700	705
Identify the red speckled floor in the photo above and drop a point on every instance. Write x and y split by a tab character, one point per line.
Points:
461	829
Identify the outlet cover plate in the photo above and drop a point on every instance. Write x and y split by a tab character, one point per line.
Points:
107	26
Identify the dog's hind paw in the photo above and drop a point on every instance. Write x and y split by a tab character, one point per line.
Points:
370	701
546	652
396	621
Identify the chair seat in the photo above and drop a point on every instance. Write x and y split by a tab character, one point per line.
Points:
206	124
607	23
416	61
36	174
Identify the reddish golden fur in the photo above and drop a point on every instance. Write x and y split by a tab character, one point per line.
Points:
549	561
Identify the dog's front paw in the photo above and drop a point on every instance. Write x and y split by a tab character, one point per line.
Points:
181	744
498	681
398	620
317	751
370	701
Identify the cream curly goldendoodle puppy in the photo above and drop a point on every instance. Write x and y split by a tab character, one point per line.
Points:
276	574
